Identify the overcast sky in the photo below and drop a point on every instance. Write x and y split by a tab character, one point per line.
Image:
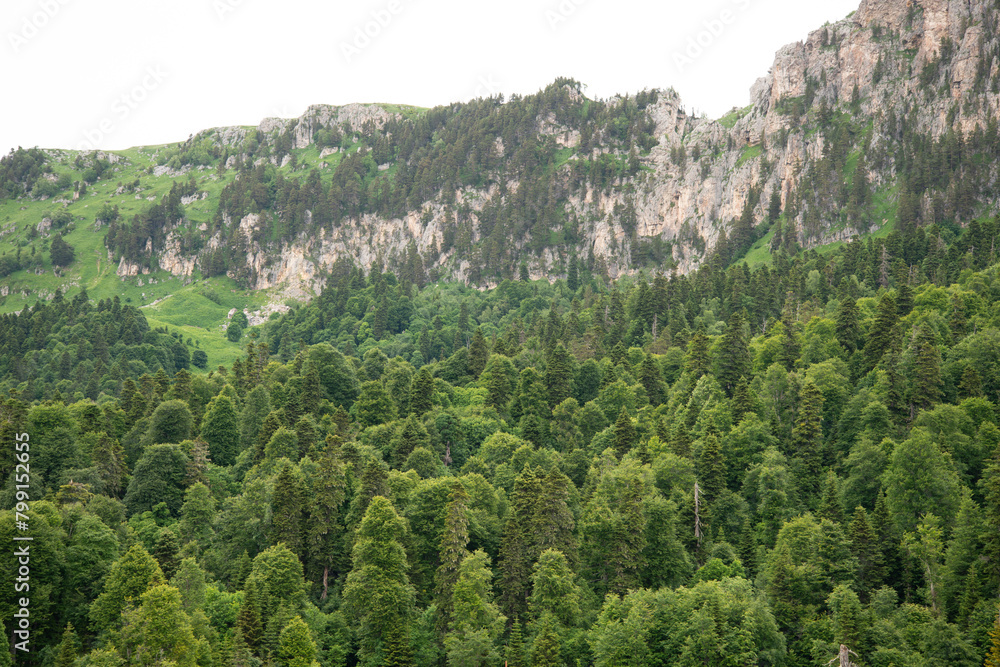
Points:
120	73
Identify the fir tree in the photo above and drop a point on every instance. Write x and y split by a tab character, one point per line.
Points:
109	459
848	329
478	354
865	547
625	435
711	469
413	436
698	360
451	551
926	384
882	332
324	523
421	392
514	652
830	506
221	430
558	376
67	649
807	436
545	651
286	511
734	352
652	380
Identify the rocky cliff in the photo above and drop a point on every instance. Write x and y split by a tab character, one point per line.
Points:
893	69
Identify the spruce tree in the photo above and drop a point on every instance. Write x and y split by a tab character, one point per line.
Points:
517	548
413	436
993	654
513	655
221	430
248	621
830	506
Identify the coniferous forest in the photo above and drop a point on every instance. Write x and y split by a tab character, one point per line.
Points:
729	467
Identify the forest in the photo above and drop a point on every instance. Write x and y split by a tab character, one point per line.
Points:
730	467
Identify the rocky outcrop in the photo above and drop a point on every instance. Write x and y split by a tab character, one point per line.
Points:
875	61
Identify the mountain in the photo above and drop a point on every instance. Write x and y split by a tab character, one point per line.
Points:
886	119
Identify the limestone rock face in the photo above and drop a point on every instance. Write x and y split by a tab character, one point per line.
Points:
874	59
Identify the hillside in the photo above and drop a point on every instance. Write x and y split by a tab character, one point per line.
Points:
541	382
888	117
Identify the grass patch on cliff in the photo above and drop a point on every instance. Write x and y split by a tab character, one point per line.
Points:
749	153
730	119
760	252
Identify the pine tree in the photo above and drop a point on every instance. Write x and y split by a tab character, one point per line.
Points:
451	551
625	435
790	349
807	436
734	352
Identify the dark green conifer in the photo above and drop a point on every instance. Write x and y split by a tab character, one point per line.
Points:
625	435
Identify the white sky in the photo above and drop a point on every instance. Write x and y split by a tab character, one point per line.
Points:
119	73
